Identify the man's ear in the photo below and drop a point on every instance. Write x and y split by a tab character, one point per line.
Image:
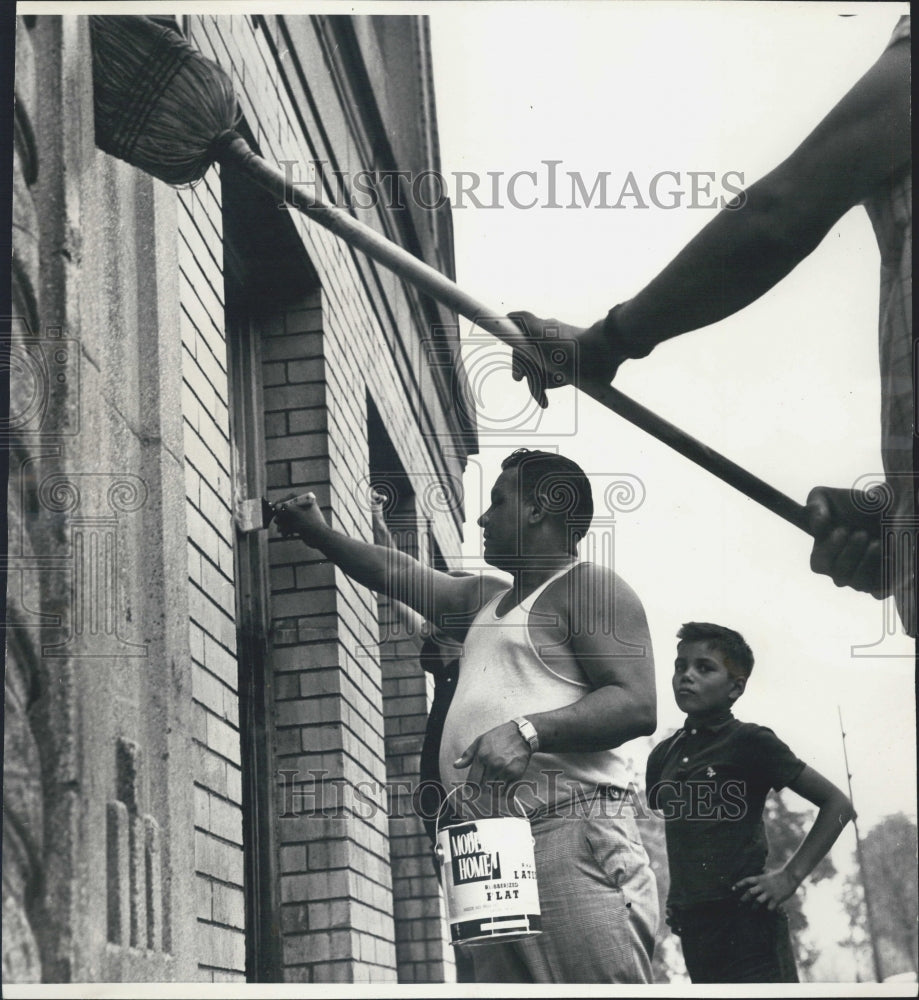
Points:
536	509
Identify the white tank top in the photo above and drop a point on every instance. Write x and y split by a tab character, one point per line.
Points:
501	677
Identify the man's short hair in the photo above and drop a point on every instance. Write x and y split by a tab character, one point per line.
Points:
732	645
560	484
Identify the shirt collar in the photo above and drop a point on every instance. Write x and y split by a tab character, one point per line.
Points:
713	725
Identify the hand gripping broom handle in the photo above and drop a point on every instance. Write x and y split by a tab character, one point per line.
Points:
232	150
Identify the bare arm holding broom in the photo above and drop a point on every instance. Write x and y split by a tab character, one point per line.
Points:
746	250
752	244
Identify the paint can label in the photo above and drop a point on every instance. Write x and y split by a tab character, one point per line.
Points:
490	883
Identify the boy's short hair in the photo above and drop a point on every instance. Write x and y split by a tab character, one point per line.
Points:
561	482
731	644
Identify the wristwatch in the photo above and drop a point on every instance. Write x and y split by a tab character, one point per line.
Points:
528	732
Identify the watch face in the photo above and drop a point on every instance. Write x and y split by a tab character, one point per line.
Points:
528	732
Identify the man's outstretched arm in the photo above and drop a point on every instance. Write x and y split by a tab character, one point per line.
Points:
438	597
745	251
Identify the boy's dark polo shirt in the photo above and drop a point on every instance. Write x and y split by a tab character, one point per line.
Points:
711	782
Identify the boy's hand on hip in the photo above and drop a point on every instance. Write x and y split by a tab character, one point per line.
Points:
770	889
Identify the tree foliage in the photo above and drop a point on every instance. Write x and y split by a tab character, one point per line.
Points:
889	858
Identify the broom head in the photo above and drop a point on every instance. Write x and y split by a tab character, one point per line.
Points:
159	104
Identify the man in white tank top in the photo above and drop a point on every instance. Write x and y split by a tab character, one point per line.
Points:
557	673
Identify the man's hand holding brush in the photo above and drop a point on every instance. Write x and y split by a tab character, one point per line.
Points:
301	515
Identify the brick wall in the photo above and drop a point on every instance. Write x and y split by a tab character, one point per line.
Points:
134	273
212	612
336	884
422	951
321	357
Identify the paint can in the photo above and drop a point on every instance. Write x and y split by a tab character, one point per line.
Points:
489	880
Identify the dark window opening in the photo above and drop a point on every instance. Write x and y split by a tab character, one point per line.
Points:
265	271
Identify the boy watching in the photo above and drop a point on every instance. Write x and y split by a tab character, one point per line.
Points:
711	780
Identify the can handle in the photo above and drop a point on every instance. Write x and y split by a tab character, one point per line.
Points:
440	811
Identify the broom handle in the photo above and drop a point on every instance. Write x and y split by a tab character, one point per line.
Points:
696	451
237	153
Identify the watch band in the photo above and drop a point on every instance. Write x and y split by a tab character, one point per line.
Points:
528	732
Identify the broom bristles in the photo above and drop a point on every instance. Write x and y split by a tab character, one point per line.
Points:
159	104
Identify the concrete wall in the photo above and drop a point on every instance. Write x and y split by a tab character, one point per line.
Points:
97	593
165	671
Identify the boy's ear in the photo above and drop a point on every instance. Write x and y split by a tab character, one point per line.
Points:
738	687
